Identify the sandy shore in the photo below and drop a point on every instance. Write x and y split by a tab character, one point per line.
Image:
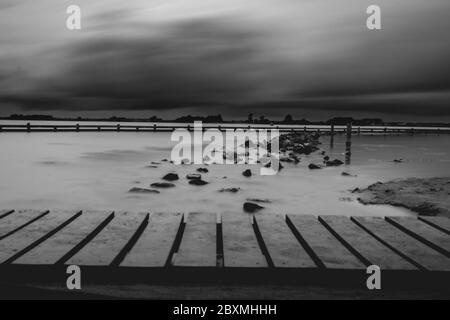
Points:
427	197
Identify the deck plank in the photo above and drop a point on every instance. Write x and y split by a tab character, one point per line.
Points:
373	251
198	244
441	223
328	249
153	247
53	249
283	247
240	245
4	213
102	250
418	252
24	238
423	232
17	220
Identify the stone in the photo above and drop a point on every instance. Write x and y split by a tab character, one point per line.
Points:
313	166
142	190
203	170
170	177
334	163
251	207
162	185
232	190
193	176
259	200
198	182
247	173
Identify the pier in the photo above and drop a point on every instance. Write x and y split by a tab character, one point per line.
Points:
161	127
132	247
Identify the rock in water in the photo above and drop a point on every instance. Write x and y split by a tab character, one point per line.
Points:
170	177
247	173
346	174
233	190
162	185
252	207
142	190
198	182
259	200
313	166
334	163
193	176
204	170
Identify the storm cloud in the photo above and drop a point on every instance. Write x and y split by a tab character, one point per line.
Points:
303	58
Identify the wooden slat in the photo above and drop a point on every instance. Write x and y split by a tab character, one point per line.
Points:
240	246
406	245
441	223
102	250
4	213
198	244
423	232
328	249
366	246
283	247
153	247
17	220
56	247
26	237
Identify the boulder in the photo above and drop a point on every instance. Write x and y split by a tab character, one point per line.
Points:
198	182
247	173
170	177
194	176
251	207
313	166
203	170
162	185
334	163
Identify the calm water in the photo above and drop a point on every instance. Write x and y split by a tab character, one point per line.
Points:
94	170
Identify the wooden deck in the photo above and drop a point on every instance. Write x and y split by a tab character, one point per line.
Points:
196	247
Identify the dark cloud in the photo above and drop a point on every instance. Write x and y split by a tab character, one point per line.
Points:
218	65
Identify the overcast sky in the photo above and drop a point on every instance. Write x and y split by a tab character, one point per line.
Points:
309	58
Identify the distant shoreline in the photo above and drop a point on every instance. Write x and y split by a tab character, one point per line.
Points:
218	120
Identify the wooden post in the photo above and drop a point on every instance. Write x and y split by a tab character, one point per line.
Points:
118	127
154	127
385	130
98	128
349	130
78	127
359	130
28	127
332	129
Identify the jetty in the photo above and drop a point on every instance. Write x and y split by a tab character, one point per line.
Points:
162	127
143	247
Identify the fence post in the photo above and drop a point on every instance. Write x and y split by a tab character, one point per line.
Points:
28	127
